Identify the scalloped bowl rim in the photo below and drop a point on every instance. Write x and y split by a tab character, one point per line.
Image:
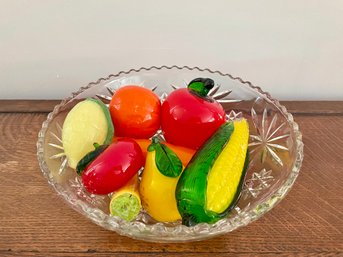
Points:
117	224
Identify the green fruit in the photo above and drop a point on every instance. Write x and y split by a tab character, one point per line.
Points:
126	206
87	123
211	183
126	202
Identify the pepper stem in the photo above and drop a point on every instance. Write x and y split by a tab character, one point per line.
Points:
201	86
154	142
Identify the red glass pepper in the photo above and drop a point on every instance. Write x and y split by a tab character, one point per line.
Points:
113	167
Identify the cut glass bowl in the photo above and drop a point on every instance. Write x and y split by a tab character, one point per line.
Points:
275	144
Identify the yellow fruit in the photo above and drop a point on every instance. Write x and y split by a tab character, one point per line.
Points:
158	192
87	123
226	172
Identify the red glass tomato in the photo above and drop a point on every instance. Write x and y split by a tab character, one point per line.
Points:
114	167
189	117
135	112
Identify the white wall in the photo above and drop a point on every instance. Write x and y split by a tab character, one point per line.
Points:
293	49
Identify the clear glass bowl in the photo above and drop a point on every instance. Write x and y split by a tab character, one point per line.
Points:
276	151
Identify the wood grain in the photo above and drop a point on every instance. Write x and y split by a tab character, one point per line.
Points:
27	106
34	221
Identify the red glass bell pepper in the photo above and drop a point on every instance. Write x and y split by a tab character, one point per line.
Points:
106	169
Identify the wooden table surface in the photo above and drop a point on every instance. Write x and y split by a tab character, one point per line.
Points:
34	221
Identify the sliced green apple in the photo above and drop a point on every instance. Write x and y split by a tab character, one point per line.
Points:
87	123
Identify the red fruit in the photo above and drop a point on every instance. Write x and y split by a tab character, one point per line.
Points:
114	167
189	116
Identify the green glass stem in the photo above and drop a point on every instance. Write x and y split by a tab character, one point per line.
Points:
201	86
